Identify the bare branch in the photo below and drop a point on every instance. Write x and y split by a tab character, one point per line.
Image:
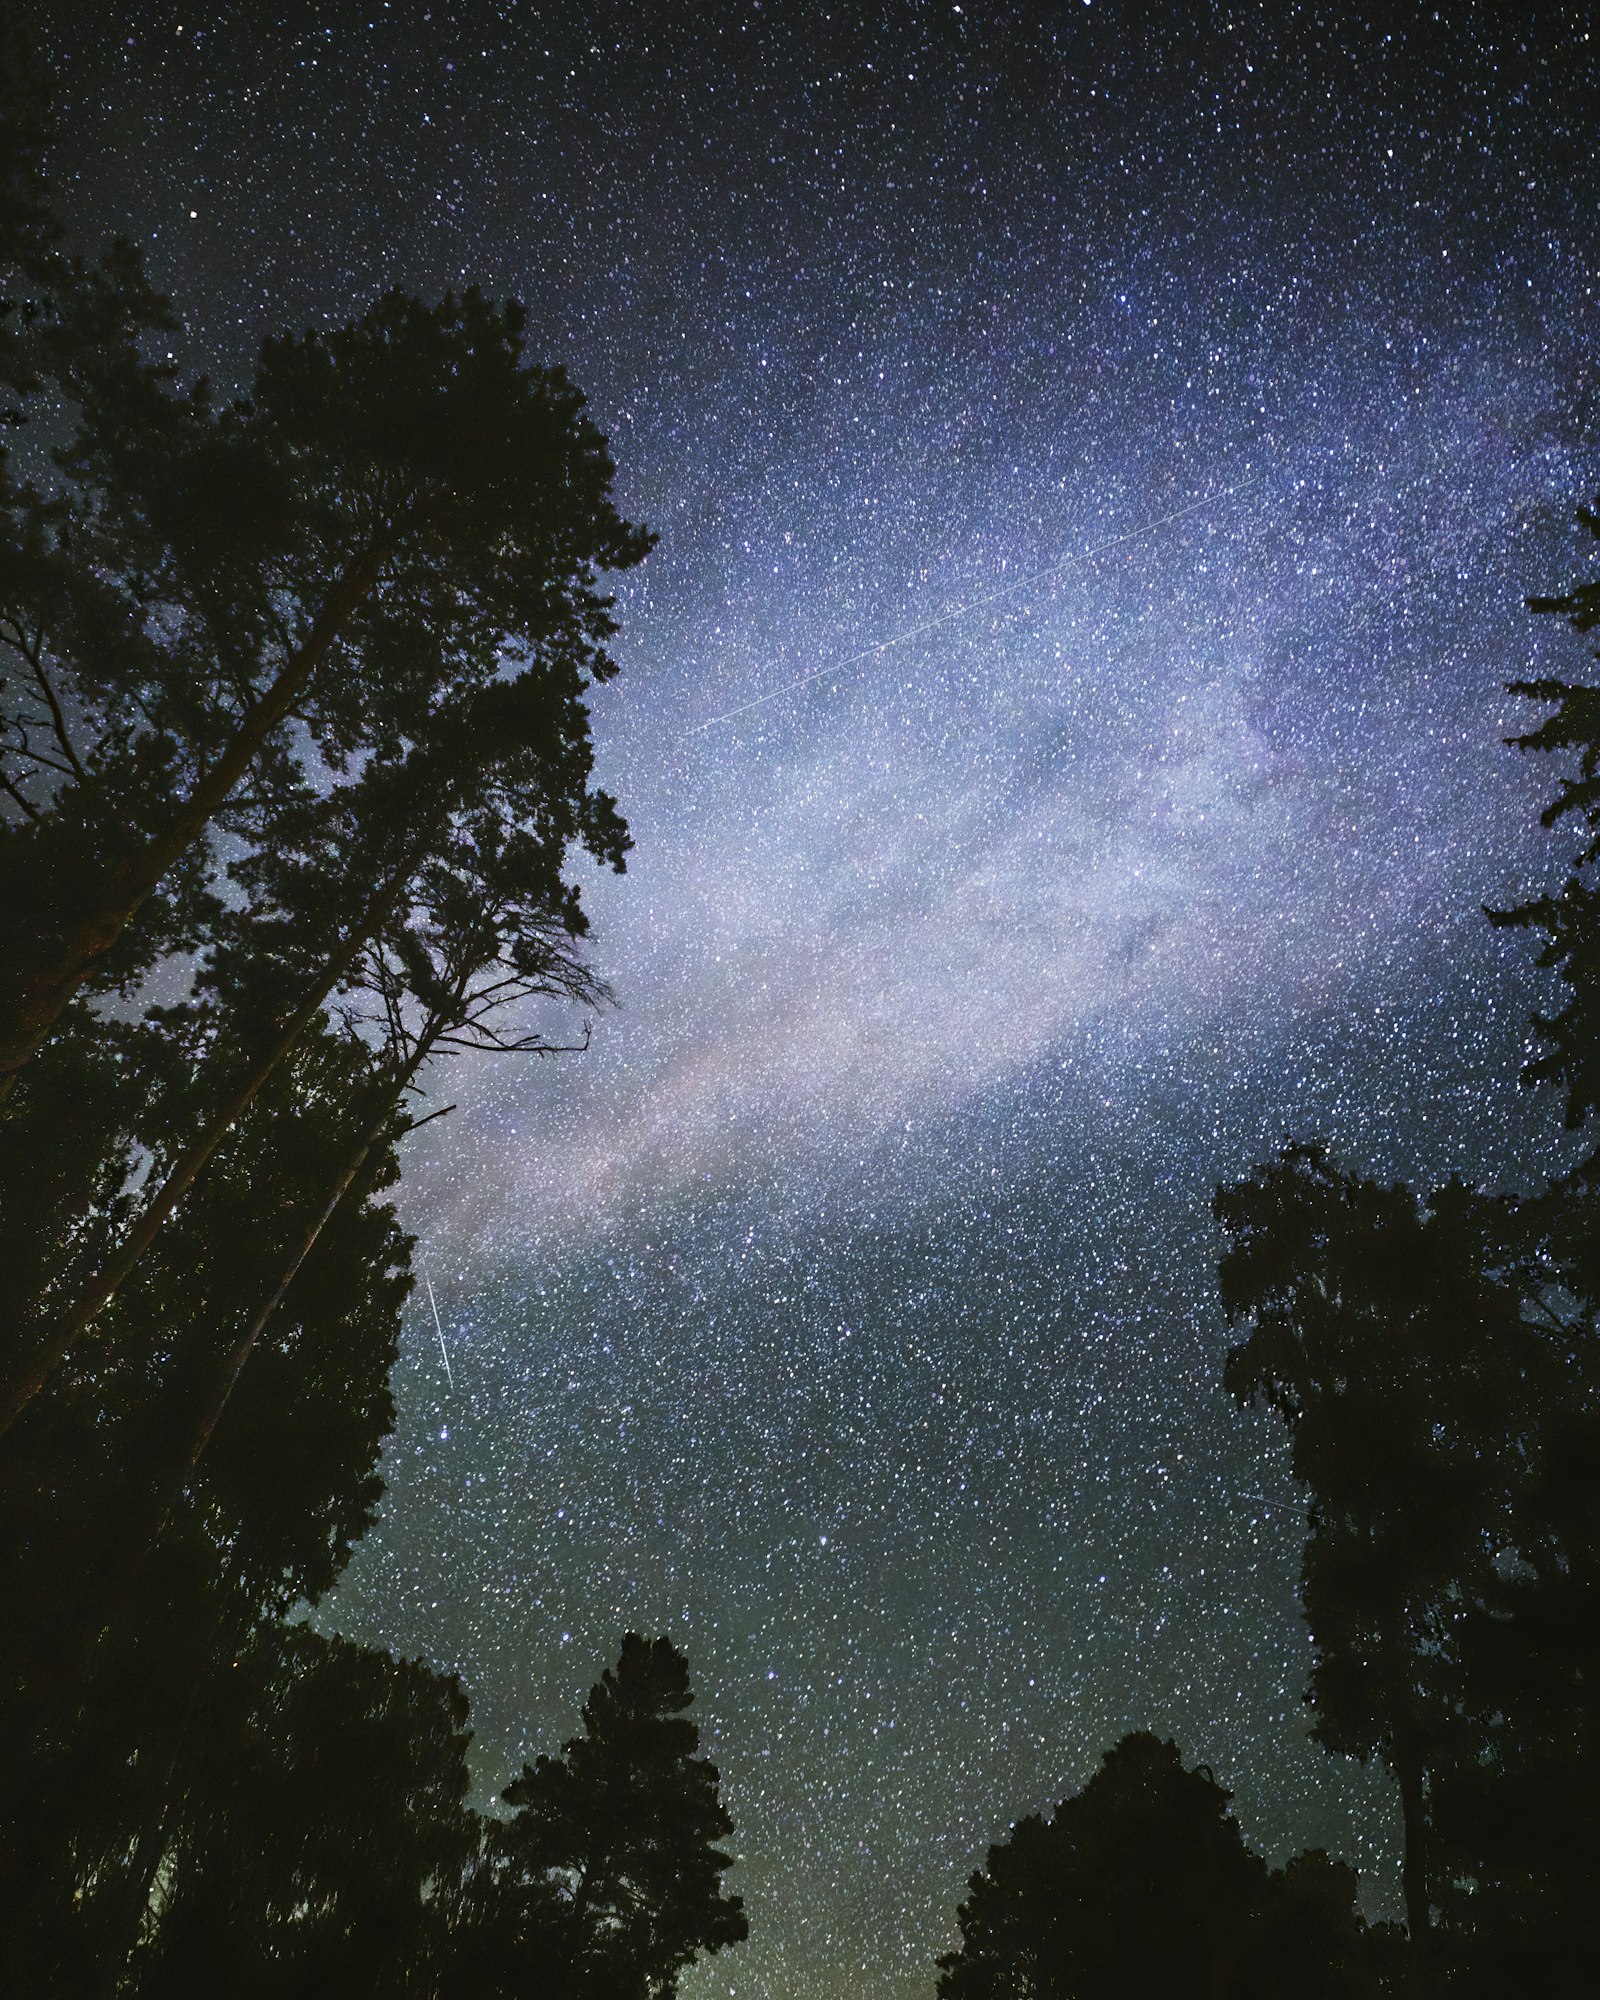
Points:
26	804
416	1124
25	749
33	654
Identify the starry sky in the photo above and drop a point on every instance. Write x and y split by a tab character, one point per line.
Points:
1099	456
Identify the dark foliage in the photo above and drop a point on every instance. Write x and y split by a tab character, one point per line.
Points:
1567	920
1436	1361
1141	1885
295	688
608	1868
1403	1371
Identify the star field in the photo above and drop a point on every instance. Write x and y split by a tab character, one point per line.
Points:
1099	456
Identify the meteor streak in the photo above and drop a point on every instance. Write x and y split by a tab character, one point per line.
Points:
438	1329
977	603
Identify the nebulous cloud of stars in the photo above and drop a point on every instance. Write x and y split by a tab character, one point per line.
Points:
1100	457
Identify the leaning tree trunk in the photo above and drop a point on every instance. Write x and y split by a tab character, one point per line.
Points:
29	1013
120	1576
1411	1770
226	1380
153	1839
65	1330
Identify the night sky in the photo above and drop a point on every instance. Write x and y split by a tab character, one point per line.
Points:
1099	458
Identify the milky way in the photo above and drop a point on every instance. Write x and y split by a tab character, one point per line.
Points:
1099	460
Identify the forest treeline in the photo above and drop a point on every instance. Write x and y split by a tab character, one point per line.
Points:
294	757
1432	1355
295	761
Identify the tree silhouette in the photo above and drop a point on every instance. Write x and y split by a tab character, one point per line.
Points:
459	502
323	1809
105	1632
1433	1361
399	510
1309	1940
1524	1816
1569	918
1401	1364
295	687
1142	1885
620	1831
468	953
1519	1812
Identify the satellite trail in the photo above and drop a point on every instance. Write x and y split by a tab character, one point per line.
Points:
977	603
438	1329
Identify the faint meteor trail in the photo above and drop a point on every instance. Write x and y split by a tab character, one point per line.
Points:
977	603
439	1330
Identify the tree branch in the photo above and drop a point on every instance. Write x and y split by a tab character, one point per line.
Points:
33	655
26	804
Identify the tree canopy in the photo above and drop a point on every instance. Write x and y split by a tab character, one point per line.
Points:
1141	1884
295	756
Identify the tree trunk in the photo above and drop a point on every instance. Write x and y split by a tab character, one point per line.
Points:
138	1543
63	1334
149	1852
1411	1771
302	1247
225	1382
153	1840
33	1009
